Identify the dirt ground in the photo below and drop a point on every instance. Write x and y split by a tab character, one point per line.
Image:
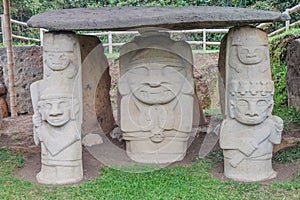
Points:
17	135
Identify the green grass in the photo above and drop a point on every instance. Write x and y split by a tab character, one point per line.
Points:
179	182
288	155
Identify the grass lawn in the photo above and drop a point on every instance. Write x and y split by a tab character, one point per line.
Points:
178	182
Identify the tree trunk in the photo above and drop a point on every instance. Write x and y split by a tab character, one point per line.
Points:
10	59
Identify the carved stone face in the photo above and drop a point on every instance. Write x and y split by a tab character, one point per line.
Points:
251	110
156	83
57	112
251	55
57	61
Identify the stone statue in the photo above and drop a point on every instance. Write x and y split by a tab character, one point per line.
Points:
57	111
249	130
156	87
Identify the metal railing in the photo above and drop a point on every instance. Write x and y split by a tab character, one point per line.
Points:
109	34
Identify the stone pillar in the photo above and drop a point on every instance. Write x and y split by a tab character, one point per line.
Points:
57	103
156	89
248	131
96	82
293	74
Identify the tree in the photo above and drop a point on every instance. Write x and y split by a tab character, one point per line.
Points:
10	59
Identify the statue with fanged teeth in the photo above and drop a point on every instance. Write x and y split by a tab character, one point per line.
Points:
157	90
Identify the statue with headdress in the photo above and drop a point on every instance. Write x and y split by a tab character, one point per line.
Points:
57	112
249	129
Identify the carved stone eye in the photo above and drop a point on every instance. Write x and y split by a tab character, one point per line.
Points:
139	71
242	103
244	51
262	103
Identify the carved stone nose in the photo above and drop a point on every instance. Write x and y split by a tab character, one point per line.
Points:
55	111
252	112
154	83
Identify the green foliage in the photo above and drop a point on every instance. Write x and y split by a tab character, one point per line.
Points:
278	53
215	156
288	155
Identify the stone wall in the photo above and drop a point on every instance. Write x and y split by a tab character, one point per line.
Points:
28	69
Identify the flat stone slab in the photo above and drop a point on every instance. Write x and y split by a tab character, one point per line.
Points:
125	18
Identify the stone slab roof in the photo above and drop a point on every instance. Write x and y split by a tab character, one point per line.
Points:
126	18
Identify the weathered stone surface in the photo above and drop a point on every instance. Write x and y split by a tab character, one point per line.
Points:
124	18
157	94
222	74
2	89
96	82
293	74
91	140
57	104
206	79
287	141
28	69
249	130
4	109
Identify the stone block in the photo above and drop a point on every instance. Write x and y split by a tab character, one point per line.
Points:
129	17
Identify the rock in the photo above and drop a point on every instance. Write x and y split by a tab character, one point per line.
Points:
293	74
222	74
91	140
103	104
28	69
124	18
205	78
2	89
287	141
4	109
116	133
96	82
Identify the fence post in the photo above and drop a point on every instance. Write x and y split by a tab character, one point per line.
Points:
41	36
110	42
287	23
204	40
3	29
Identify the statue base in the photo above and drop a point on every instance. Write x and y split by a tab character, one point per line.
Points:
167	151
59	174
250	170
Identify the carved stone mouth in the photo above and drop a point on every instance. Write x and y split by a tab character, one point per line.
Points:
160	93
